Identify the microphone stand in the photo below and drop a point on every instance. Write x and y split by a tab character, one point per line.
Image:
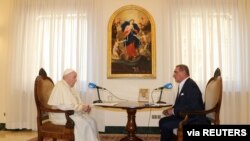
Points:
159	101
99	99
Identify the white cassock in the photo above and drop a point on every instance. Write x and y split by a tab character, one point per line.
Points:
66	98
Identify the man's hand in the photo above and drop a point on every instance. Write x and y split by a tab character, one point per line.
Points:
168	112
86	108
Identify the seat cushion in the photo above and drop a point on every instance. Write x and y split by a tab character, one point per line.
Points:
56	130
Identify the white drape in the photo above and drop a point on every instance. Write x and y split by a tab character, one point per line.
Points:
206	34
58	34
55	35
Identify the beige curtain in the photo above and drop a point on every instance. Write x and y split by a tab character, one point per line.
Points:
55	35
206	34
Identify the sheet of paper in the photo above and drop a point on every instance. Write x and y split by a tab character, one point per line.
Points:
105	104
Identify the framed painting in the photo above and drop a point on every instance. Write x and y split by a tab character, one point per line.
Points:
131	44
143	95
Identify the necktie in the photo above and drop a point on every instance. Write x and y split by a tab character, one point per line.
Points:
177	95
178	91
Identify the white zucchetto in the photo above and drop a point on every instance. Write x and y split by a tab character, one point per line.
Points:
67	71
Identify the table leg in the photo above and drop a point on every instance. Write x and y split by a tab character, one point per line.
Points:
131	127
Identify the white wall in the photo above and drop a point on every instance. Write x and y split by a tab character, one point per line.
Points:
124	88
4	18
129	88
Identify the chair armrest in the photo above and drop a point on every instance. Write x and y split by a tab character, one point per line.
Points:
202	112
183	122
69	122
180	128
198	112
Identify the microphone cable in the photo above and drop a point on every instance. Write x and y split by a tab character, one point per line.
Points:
148	131
115	95
149	118
152	99
152	96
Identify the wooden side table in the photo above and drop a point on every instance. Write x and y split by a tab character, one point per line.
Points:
131	107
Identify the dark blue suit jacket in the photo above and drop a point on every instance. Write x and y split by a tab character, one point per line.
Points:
189	99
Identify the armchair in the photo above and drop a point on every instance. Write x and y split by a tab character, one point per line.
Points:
212	101
46	129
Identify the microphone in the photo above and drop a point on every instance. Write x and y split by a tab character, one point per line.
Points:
166	86
93	85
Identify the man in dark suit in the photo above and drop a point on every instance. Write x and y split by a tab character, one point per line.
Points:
189	97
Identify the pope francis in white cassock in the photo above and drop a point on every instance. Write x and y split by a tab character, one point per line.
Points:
64	96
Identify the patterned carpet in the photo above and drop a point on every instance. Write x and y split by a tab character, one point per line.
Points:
117	137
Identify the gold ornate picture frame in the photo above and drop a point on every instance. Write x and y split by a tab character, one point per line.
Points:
131	44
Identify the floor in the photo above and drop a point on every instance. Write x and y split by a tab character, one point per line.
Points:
31	136
17	135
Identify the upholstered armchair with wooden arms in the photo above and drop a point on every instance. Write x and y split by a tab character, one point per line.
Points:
46	129
212	101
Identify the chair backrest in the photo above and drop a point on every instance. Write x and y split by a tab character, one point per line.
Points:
213	97
46	129
43	88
